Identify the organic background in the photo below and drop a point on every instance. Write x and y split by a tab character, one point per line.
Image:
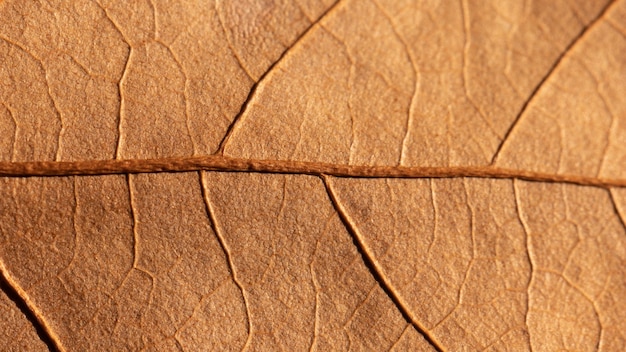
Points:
133	217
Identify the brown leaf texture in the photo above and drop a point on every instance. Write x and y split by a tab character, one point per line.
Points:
313	175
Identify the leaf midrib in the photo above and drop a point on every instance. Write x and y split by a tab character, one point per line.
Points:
229	164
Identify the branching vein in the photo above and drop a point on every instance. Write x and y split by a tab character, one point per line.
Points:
244	107
549	74
17	294
374	268
227	253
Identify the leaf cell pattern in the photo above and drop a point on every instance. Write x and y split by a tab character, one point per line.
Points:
313	175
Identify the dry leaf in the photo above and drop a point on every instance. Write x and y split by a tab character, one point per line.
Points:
316	174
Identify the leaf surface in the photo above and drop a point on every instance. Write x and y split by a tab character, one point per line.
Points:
16	332
313	175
